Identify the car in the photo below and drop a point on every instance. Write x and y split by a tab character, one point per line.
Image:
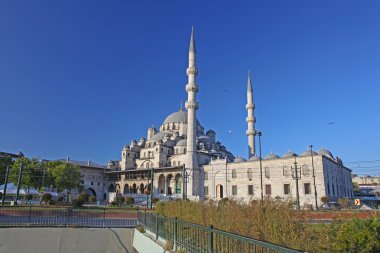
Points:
330	206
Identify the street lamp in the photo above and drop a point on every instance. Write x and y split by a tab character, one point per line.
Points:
214	182
296	177
315	187
261	168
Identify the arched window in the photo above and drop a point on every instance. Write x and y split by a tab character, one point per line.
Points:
184	150
305	170
286	171
147	165
267	172
206	175
250	174
176	150
233	173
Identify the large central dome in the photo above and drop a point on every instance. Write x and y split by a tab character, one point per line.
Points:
176	117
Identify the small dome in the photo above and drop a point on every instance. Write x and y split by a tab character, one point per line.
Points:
308	153
271	156
182	143
325	152
205	138
254	158
142	139
239	159
127	147
289	154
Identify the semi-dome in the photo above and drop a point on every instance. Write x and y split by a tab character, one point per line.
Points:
182	143
289	154
271	156
239	159
254	158
325	152
308	153
159	136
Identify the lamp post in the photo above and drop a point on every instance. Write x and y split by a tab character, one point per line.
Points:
315	187
214	183
261	168
296	177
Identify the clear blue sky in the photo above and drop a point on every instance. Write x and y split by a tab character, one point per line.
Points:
83	78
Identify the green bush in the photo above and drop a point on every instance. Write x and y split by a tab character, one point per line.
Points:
92	199
51	202
46	197
129	200
1	195
28	197
357	236
84	197
60	199
155	200
120	200
77	202
114	203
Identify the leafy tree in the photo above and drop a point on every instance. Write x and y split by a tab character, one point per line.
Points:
4	163
84	197
65	176
92	199
344	202
28	197
1	195
32	173
46	197
325	199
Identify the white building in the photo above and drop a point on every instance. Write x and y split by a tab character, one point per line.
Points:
181	147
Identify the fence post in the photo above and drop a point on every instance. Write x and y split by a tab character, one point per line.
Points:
156	226
104	217
210	240
145	218
175	233
30	215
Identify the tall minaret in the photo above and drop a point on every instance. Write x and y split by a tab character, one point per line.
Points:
192	106
250	119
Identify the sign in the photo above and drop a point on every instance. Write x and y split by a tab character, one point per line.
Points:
357	202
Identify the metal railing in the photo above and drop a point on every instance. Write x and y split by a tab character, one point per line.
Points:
190	237
36	216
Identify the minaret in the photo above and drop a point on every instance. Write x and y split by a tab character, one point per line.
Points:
192	106
250	119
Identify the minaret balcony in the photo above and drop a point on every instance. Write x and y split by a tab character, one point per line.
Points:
191	87
191	105
250	132
250	119
250	106
191	71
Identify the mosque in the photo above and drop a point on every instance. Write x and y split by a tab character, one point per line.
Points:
181	160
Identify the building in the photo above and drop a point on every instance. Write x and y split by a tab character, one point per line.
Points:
183	160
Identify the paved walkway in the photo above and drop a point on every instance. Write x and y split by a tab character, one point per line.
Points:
66	240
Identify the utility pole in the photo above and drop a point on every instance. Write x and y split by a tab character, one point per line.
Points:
5	186
19	183
261	168
315	187
296	177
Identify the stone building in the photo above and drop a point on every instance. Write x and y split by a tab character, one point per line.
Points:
181	149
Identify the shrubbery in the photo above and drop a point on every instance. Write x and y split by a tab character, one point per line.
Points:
92	199
276	221
46	197
129	200
84	197
77	202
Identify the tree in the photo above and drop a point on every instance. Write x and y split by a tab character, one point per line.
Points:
46	197
4	163
1	195
65	176
356	188
325	199
32	173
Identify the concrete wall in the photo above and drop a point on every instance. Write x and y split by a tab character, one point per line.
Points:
70	240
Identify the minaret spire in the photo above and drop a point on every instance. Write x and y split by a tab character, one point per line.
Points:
250	119
192	107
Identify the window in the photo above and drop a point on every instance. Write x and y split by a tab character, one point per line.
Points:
307	188
234	173
305	170
206	176
268	189
206	190
286	189
285	171
92	183
184	150
267	172
250	174
98	184
250	189
234	190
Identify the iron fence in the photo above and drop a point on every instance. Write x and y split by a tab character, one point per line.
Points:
36	216
194	238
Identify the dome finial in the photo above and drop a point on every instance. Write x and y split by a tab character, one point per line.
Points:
181	109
